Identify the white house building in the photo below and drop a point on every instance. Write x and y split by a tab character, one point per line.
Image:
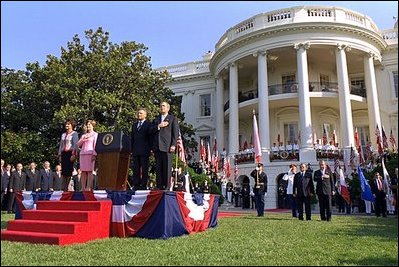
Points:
305	70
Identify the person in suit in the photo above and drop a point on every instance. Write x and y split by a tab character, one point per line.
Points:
32	182
166	130
87	143
324	190
141	148
46	178
67	152
17	183
303	190
57	179
76	184
260	189
5	179
377	187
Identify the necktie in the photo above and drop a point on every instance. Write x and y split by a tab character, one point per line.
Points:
379	184
139	124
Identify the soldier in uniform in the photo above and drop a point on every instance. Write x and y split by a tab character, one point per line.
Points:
260	188
229	191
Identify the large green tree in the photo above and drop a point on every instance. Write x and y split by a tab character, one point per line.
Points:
92	79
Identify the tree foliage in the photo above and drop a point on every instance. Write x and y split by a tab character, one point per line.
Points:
95	79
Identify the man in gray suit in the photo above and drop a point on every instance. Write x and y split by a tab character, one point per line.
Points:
166	131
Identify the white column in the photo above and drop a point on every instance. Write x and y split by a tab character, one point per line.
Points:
306	152
372	96
263	107
345	107
219	113
233	109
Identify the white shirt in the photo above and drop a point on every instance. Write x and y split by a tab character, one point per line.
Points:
290	178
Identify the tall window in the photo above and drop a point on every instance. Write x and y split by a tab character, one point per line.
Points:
205	105
289	81
290	132
358	83
395	82
324	80
363	134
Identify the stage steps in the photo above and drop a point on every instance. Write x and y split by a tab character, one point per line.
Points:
61	223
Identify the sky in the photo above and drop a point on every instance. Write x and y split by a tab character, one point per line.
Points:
174	32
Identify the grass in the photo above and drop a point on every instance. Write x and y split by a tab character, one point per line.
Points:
275	239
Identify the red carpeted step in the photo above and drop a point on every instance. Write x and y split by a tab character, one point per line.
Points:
33	237
60	226
57	215
45	226
68	205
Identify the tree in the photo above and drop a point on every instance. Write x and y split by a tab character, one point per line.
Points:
97	80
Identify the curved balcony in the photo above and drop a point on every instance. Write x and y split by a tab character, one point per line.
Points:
289	88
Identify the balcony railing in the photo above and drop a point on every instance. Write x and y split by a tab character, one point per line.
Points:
288	88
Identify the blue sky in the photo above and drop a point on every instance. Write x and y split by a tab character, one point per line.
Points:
174	32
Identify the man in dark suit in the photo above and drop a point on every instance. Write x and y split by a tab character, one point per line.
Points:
380	204
46	177
166	130
32	178
57	179
324	190
141	146
17	183
303	190
260	189
5	179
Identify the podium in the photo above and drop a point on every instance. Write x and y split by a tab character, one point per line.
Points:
113	155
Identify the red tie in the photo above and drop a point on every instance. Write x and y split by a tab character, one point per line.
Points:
379	184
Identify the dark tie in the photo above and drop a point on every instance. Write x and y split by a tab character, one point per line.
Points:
139	125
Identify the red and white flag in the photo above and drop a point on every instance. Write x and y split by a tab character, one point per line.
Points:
257	147
384	139
379	141
180	149
392	141
344	187
235	172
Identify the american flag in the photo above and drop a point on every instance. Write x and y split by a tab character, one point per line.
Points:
379	141
235	172
352	159
384	139
334	138
336	166
180	149
202	150
257	147
392	141
324	137
357	140
361	155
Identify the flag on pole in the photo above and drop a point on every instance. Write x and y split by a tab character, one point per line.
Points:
352	159
180	149
324	137
384	139
257	147
357	140
361	155
202	150
208	150
344	187
392	141
379	141
228	167
365	187
334	138
235	172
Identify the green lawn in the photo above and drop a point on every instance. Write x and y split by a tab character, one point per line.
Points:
275	239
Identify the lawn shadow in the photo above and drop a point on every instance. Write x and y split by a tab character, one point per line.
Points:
382	260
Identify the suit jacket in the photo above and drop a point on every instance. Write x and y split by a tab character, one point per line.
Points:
32	180
303	185
141	139
46	180
375	191
165	137
324	186
56	181
5	180
17	182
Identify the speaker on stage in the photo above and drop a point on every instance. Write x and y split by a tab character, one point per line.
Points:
113	155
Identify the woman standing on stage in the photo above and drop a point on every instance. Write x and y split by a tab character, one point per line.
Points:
88	154
67	152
